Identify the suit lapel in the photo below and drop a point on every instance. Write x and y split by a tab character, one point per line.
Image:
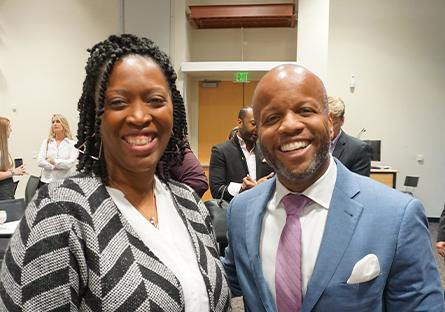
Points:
340	146
255	210
344	213
241	155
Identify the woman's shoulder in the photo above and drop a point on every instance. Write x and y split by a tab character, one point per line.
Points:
75	187
182	190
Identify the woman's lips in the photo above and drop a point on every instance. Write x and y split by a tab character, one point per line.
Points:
140	143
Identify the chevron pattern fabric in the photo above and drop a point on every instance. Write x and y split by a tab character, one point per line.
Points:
74	251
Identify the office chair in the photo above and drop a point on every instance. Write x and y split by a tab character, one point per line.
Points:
410	183
218	214
15	208
31	188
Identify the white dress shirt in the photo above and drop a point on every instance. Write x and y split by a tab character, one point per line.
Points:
171	243
234	187
313	220
64	156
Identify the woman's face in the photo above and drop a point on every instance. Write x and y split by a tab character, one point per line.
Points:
56	125
138	116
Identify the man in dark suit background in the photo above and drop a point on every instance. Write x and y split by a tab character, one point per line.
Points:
352	152
238	164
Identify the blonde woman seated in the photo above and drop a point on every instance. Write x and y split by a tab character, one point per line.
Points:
57	155
7	170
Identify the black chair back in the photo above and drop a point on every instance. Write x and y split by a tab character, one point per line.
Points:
218	214
15	208
31	188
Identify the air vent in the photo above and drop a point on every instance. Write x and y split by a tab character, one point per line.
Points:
243	15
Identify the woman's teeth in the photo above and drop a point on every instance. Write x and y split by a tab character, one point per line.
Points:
138	140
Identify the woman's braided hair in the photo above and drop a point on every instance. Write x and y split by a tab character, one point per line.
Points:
102	58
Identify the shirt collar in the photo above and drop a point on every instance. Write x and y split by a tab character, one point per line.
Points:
65	139
243	146
319	192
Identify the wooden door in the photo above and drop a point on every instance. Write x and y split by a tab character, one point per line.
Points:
218	113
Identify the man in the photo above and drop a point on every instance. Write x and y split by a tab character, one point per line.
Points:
358	245
353	153
238	164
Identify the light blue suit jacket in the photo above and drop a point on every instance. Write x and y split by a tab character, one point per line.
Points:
364	217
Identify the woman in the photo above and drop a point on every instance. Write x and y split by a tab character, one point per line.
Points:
120	236
57	154
7	170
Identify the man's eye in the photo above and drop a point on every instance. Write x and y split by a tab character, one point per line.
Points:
306	110
271	120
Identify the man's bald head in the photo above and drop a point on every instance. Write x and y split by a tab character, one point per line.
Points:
292	76
293	125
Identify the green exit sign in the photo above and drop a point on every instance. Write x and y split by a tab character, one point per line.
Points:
242	77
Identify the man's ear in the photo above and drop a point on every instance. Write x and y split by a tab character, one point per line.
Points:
331	127
239	122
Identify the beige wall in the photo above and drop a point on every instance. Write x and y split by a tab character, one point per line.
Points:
42	58
396	50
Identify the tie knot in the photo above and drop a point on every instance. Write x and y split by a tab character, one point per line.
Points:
294	203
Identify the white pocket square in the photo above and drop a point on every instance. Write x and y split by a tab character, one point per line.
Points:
365	270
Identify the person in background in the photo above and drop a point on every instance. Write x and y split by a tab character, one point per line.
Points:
190	172
352	152
440	241
57	155
232	133
120	235
238	164
7	170
317	237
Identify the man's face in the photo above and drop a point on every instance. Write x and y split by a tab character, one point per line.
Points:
293	125
247	127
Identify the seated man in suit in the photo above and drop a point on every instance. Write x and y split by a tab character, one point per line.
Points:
352	152
238	164
317	237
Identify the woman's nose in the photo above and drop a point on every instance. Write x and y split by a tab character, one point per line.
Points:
139	113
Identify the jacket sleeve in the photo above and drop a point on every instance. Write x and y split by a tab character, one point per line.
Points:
414	282
70	161
41	159
362	163
190	172
228	260
41	262
217	174
441	229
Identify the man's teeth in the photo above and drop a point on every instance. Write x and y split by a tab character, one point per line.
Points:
293	146
138	140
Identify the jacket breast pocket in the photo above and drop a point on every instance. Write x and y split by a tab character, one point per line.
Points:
359	297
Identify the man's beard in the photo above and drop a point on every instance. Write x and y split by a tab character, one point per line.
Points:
315	165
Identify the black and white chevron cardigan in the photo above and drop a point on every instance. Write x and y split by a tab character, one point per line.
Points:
74	251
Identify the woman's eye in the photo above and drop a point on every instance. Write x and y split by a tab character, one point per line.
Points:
115	103
157	102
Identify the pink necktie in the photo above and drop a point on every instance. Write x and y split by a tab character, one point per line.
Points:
288	263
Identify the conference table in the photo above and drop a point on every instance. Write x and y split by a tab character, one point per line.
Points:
6	231
385	176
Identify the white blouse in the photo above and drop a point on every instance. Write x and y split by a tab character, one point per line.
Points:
64	156
171	243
